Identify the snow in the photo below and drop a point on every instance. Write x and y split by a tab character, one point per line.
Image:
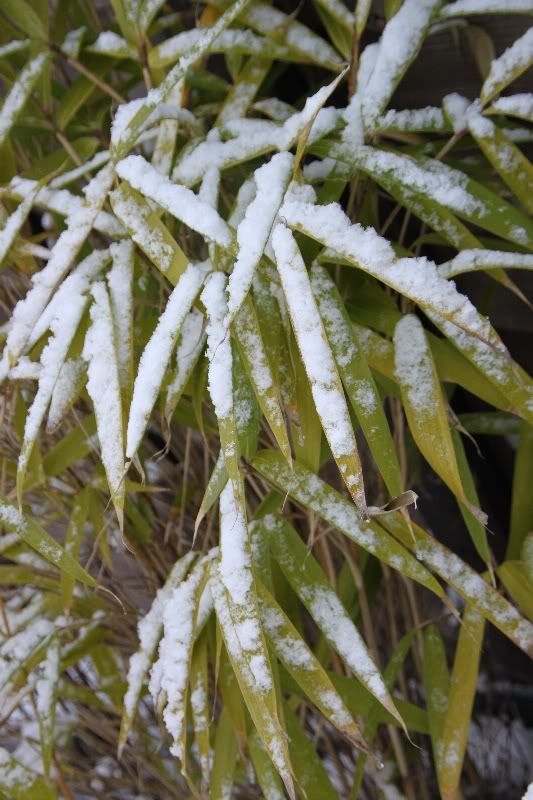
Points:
417	278
271	181
490	603
135	215
14	223
471	260
47	682
428	118
218	345
446	186
103	385
399	44
112	44
413	364
68	380
270	22
63	326
19	94
353	134
529	793
179	201
465	7
332	619
63	202
98	160
243	41
516	105
157	354
456	108
65	250
319	364
245	195
509	65
175	651
119	280
150	629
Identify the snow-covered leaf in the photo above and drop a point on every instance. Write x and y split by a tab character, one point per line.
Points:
20	93
103	387
326	386
508	67
150	630
158	352
316	495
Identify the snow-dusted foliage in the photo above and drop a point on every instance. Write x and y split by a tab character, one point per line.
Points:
234	321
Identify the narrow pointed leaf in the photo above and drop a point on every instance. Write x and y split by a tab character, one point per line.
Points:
463	684
316	495
312	587
356	377
157	354
36	537
326	386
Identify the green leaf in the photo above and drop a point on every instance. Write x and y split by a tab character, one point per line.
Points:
396	52
234	593
326	386
18	782
150	630
508	67
315	495
522	497
463	684
305	668
468	583
148	232
225	760
21	90
36	537
311	585
437	687
46	700
308	768
356	377
515	577
508	161
250	341
424	406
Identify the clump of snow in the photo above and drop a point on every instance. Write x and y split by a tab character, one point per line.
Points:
271	181
218	345
178	200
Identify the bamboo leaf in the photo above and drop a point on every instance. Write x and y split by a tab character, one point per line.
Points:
20	92
437	687
515	577
259	370
313	589
326	386
424	406
522	501
315	495
150	630
41	541
512	166
225	760
396	52
238	615
104	390
304	667
508	67
490	603
46	700
271	181
158	352
463	683
356	377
